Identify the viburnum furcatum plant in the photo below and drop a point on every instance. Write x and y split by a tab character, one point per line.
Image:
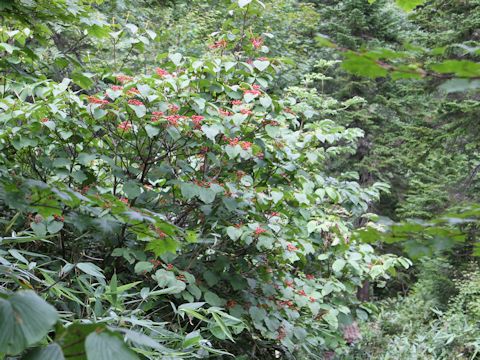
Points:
208	190
205	201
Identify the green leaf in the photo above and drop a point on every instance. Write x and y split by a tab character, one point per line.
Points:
461	68
213	299
331	319
211	131
232	151
50	352
234	233
61	162
54	227
50	124
143	266
192	338
99	113
222	326
261	65
211	278
79	176
363	66
152	131
327	288
165	278
107	346
132	27
238	282
176	58
113	94
82	80
162	246
239	118
39	229
338	265
276	196
175	289
25	319
132	189
206	195
91	269
272	131
257	314
18	256
140	110
189	190
301	198
265	242
229	65
99	31
191	236
144	90
243	3
266	101
332	194
141	339
376	271
195	291
6	47
409	5
248	97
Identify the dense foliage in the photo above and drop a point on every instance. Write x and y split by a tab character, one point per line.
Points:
191	179
438	320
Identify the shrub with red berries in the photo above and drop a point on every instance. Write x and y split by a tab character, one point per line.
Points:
196	163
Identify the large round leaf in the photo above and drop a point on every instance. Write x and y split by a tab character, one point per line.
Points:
106	345
50	352
25	319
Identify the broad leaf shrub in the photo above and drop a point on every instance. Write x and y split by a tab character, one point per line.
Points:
183	211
